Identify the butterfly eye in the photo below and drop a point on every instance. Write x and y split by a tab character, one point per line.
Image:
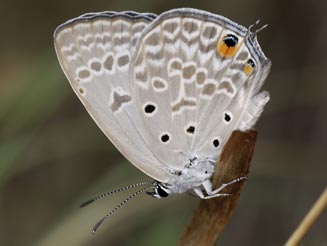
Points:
249	67
228	46
161	192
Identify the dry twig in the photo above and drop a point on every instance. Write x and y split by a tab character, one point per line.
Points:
212	215
308	220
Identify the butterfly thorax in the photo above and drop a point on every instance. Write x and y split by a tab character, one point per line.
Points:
193	175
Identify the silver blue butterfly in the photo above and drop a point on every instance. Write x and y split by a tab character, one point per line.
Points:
167	90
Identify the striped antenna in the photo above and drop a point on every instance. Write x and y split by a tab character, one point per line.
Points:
97	225
255	32
111	192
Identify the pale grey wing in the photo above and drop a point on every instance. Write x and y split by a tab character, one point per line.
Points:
245	103
95	51
186	88
256	99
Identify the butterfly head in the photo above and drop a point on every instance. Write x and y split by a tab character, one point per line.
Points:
159	190
192	175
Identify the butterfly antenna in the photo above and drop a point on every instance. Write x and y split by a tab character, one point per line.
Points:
255	24
254	33
97	225
260	29
111	192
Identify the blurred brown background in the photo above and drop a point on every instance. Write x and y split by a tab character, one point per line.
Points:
53	156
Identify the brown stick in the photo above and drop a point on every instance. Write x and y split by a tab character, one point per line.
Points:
319	206
212	215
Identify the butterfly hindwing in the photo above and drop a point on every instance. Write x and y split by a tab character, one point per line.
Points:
194	75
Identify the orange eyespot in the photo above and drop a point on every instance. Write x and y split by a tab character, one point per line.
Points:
228	46
249	67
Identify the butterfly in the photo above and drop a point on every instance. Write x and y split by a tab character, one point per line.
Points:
167	90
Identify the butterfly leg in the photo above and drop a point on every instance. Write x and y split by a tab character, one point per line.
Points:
207	185
200	194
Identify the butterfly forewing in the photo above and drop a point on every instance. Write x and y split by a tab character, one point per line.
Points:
95	52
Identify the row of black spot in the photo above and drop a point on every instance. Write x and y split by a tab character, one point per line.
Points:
165	138
150	108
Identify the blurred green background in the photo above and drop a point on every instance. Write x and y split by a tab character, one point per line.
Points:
53	156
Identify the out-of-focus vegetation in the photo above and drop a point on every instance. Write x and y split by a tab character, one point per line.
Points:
53	156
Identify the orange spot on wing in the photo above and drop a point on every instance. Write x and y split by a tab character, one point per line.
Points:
226	52
231	51
222	48
247	69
